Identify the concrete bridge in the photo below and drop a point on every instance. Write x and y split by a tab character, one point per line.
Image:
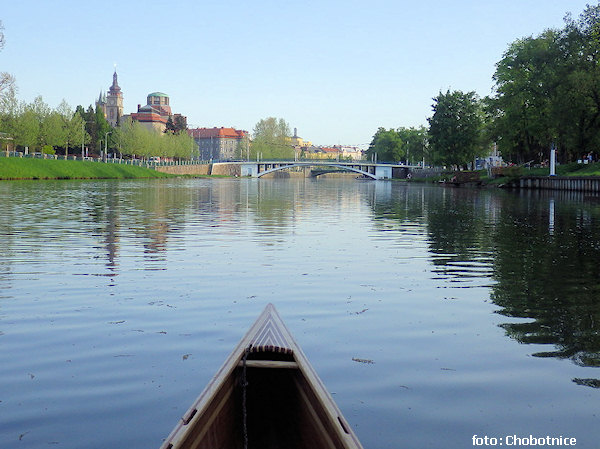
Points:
257	169
366	169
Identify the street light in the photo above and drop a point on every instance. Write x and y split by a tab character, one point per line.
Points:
106	142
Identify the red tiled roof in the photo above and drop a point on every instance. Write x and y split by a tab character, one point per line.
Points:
218	133
148	117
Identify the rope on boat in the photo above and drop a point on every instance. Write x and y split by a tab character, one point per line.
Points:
244	388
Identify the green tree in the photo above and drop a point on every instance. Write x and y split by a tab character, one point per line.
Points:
183	145
76	135
90	126
26	128
180	124
527	79
242	147
416	141
72	125
170	126
578	110
386	146
135	139
102	129
455	128
272	139
52	132
548	91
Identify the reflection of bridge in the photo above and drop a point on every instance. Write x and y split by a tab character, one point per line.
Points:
367	169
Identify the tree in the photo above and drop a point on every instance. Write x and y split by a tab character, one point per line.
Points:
180	123
548	91
243	147
52	131
9	110
7	81
73	125
7	85
579	91
27	128
135	139
272	139
415	140
455	127
102	129
527	79
387	146
170	126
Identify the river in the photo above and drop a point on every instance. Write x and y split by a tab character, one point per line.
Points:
431	314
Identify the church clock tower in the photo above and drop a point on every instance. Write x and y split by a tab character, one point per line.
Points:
114	103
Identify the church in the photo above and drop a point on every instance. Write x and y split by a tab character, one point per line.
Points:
112	103
154	115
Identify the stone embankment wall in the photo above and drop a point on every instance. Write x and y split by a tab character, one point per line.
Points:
225	169
200	169
560	183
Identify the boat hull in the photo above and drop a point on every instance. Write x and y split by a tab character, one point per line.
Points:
266	395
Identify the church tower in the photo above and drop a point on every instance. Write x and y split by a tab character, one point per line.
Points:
114	103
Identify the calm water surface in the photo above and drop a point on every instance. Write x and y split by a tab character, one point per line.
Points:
469	312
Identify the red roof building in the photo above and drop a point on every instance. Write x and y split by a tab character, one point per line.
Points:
220	143
156	112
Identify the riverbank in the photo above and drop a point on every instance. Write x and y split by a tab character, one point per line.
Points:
12	168
573	176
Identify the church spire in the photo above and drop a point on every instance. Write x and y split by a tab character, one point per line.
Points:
115	85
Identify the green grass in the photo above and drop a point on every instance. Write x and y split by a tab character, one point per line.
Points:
26	168
572	169
513	173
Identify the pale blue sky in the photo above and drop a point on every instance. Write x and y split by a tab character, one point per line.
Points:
336	70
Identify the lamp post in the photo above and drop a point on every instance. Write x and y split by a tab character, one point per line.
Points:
105	143
553	159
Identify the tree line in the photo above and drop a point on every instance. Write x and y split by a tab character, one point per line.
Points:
546	92
40	128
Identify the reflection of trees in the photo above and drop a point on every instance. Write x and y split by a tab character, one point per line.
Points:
457	222
275	203
551	278
545	273
459	232
145	210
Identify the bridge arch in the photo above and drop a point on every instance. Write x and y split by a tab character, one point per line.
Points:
316	164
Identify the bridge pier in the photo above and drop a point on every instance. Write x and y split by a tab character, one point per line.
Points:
383	172
249	169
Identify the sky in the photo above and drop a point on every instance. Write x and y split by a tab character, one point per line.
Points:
335	70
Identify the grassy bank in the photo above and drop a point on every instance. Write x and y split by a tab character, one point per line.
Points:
512	174
25	168
573	169
569	170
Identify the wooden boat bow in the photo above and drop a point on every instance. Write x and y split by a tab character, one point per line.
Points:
266	395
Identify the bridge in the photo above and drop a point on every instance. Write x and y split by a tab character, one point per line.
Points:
367	169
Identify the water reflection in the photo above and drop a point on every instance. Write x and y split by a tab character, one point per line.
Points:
538	251
549	275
